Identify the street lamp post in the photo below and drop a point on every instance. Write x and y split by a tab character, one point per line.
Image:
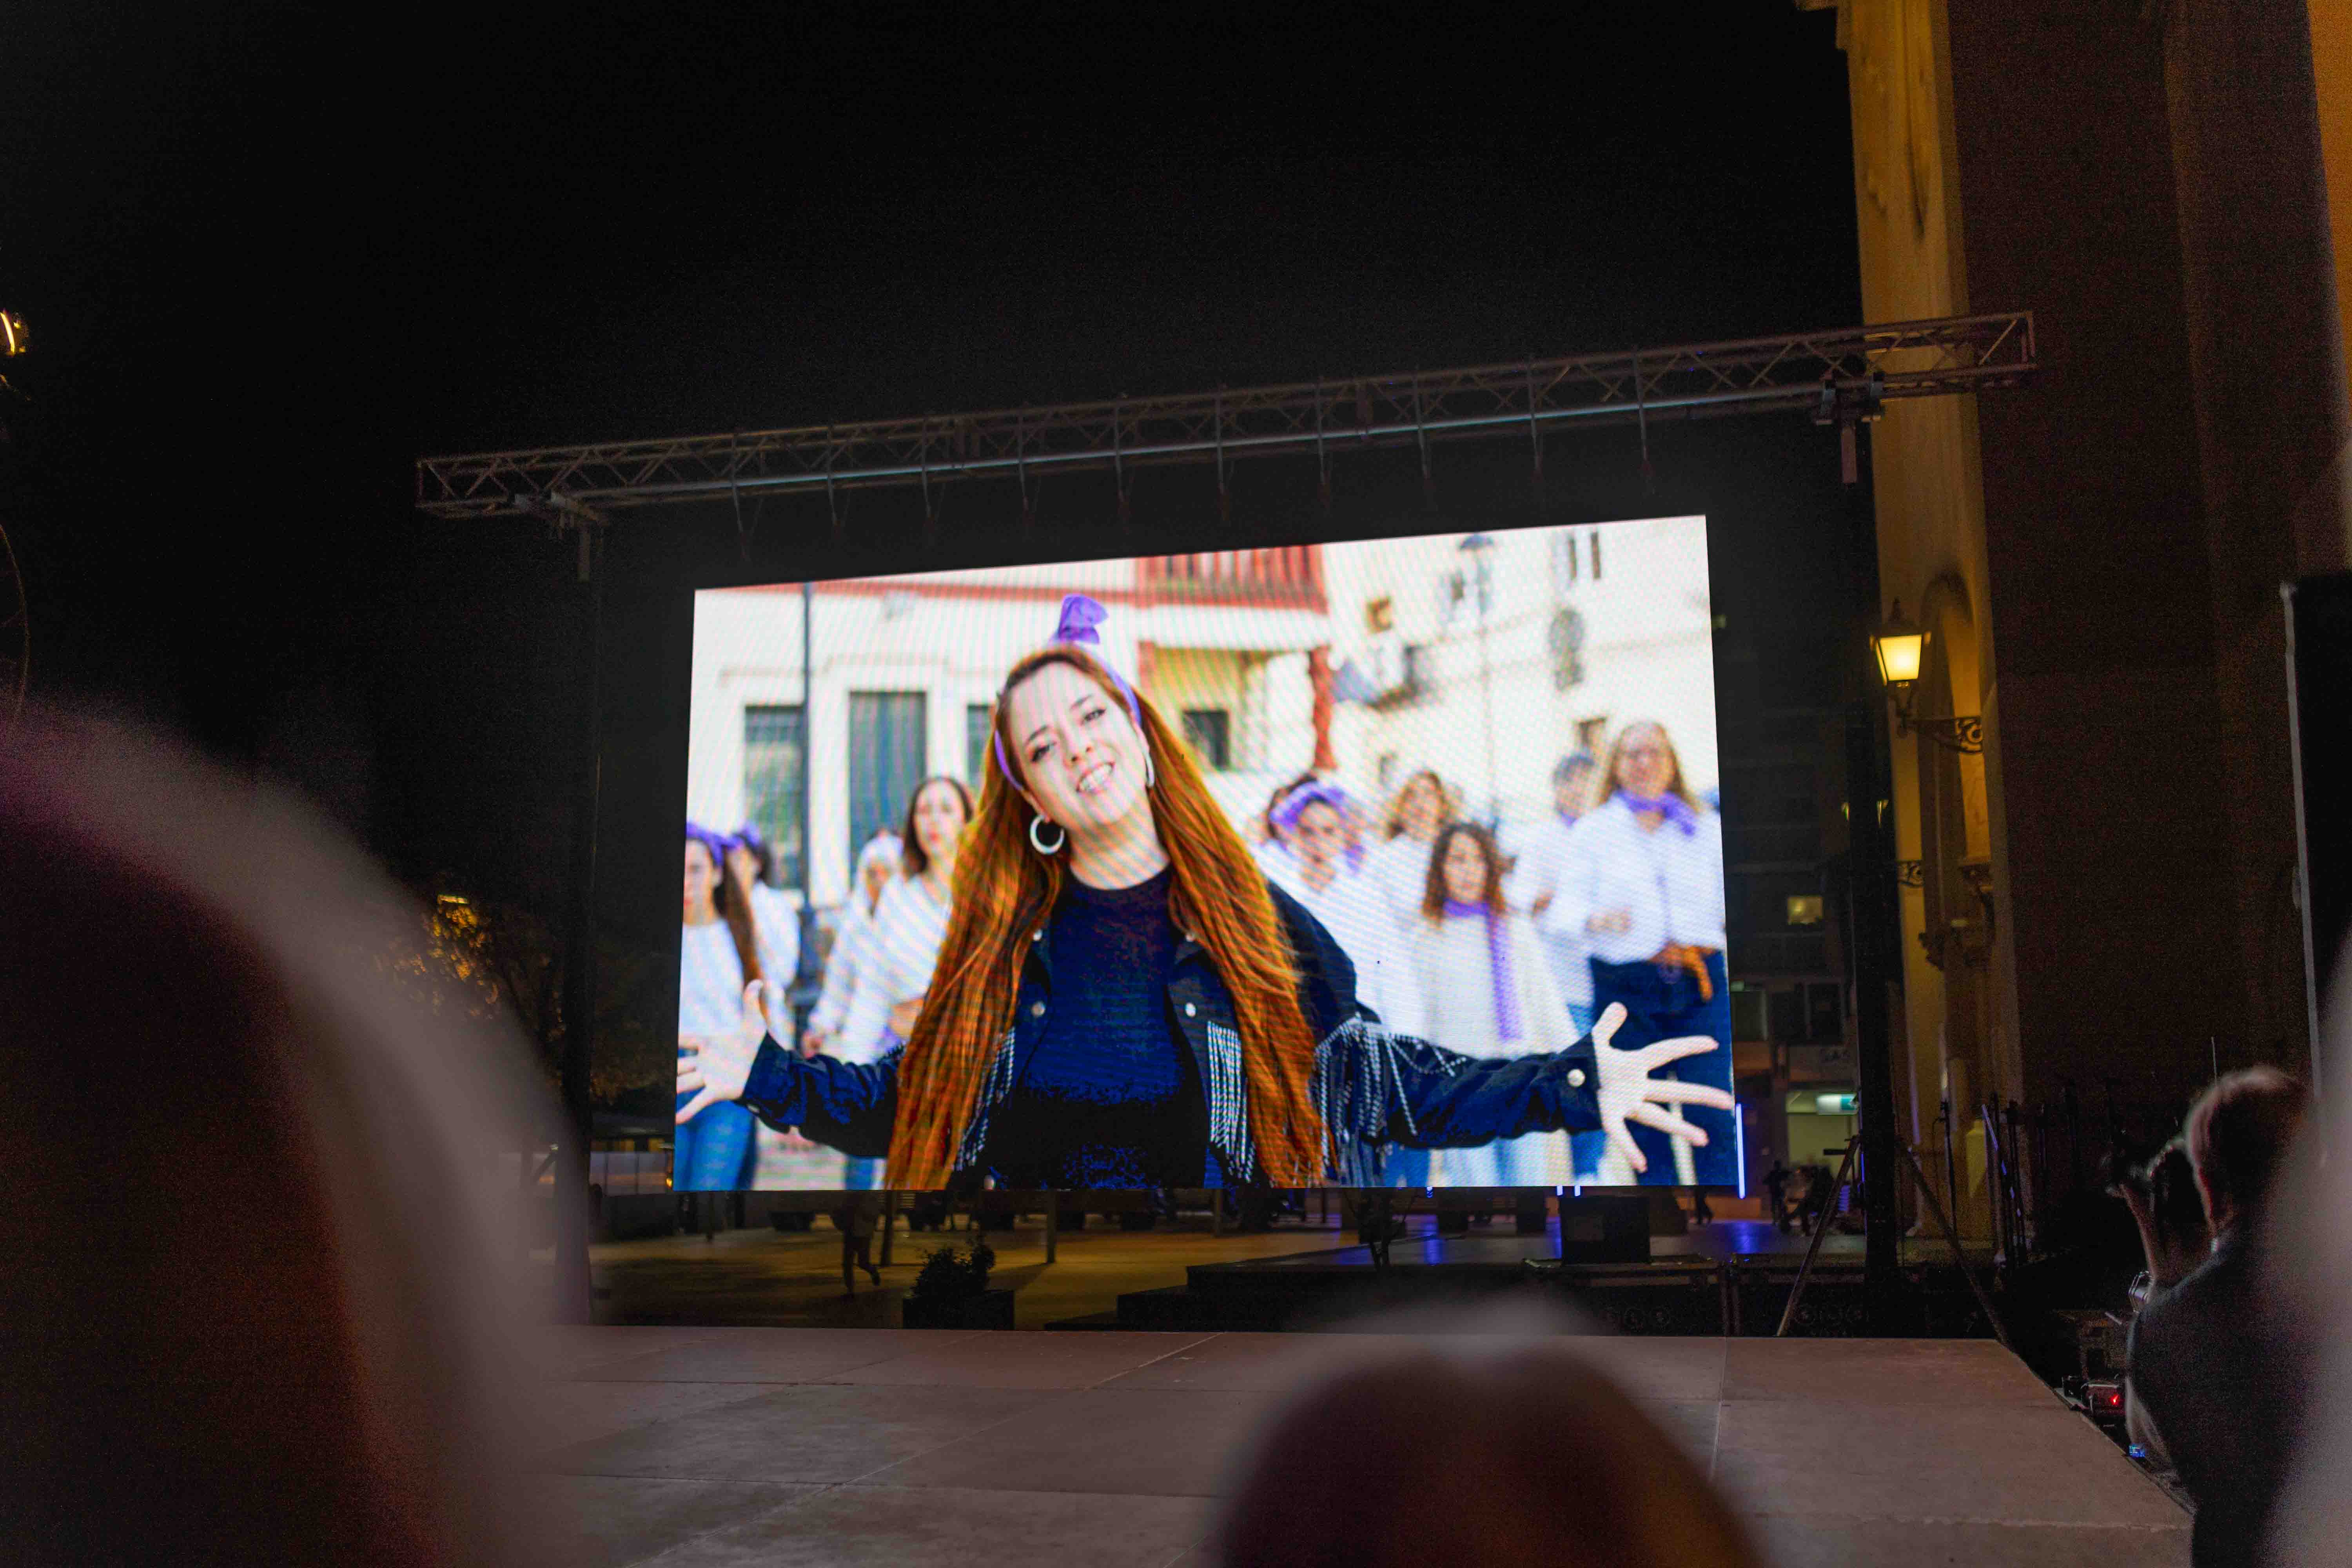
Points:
805	972
1479	548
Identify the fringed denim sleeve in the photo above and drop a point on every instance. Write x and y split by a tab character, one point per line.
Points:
847	1106
1378	1089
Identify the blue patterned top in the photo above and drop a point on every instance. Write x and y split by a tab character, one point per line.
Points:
1108	1095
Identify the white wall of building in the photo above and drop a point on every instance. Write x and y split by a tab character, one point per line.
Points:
951	637
1647	652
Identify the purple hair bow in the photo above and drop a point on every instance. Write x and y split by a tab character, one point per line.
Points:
1284	816
1080	617
711	839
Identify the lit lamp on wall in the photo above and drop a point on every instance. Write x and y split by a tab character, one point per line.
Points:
1900	646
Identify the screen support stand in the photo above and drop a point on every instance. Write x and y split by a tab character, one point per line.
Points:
1934	1209
573	1290
1820	1230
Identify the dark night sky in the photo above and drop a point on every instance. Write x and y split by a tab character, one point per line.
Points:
270	253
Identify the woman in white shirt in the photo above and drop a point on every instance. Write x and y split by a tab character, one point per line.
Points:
910	923
1270	834
877	865
1312	820
751	865
1643	881
718	954
1489	993
1399	865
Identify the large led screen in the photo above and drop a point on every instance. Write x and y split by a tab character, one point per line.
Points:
1296	866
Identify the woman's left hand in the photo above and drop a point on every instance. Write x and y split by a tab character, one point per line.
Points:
1628	1093
904	1016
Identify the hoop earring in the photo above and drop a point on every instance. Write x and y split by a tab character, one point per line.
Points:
1039	845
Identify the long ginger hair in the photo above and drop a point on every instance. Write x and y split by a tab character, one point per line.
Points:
1003	892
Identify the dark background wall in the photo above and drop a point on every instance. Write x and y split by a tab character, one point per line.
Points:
272	252
2140	512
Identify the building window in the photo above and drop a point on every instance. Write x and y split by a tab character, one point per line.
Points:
1824	1011
1596	555
1564	559
976	717
1804	908
1209	731
772	776
1748	1014
887	760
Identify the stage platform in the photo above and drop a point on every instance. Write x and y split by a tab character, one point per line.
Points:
705	1447
1730	1278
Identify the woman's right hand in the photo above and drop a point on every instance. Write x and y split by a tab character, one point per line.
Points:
1608	921
716	1068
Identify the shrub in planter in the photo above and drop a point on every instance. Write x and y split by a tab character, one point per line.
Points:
951	1292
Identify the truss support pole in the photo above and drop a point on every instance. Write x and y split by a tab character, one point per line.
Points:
573	1294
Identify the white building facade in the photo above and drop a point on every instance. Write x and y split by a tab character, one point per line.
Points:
905	671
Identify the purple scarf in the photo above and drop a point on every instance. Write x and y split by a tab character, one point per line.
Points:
1672	806
1499	966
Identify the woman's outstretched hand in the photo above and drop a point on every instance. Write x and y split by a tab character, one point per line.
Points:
1628	1093
717	1068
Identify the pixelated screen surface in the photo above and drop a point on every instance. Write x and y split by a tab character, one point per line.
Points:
1481	766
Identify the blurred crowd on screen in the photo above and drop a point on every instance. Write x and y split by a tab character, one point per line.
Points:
1488	939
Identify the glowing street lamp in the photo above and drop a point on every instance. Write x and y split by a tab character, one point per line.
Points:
1900	648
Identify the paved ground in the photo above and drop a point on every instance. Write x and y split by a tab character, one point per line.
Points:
694	1447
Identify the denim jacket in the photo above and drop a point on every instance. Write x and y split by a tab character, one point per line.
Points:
1376	1089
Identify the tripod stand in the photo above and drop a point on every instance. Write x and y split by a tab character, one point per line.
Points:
1936	1210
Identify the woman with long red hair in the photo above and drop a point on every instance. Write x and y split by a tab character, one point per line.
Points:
1121	999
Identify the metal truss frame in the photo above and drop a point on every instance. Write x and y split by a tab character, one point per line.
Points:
1841	377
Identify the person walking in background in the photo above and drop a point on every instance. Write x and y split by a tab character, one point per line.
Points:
750	867
1535	888
1478	964
1122	993
853	938
909	922
1643	879
719	955
1399	864
2219	1361
854	1218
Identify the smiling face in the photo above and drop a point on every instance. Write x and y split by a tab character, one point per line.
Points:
939	822
1320	837
701	875
1645	762
1466	870
1081	758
